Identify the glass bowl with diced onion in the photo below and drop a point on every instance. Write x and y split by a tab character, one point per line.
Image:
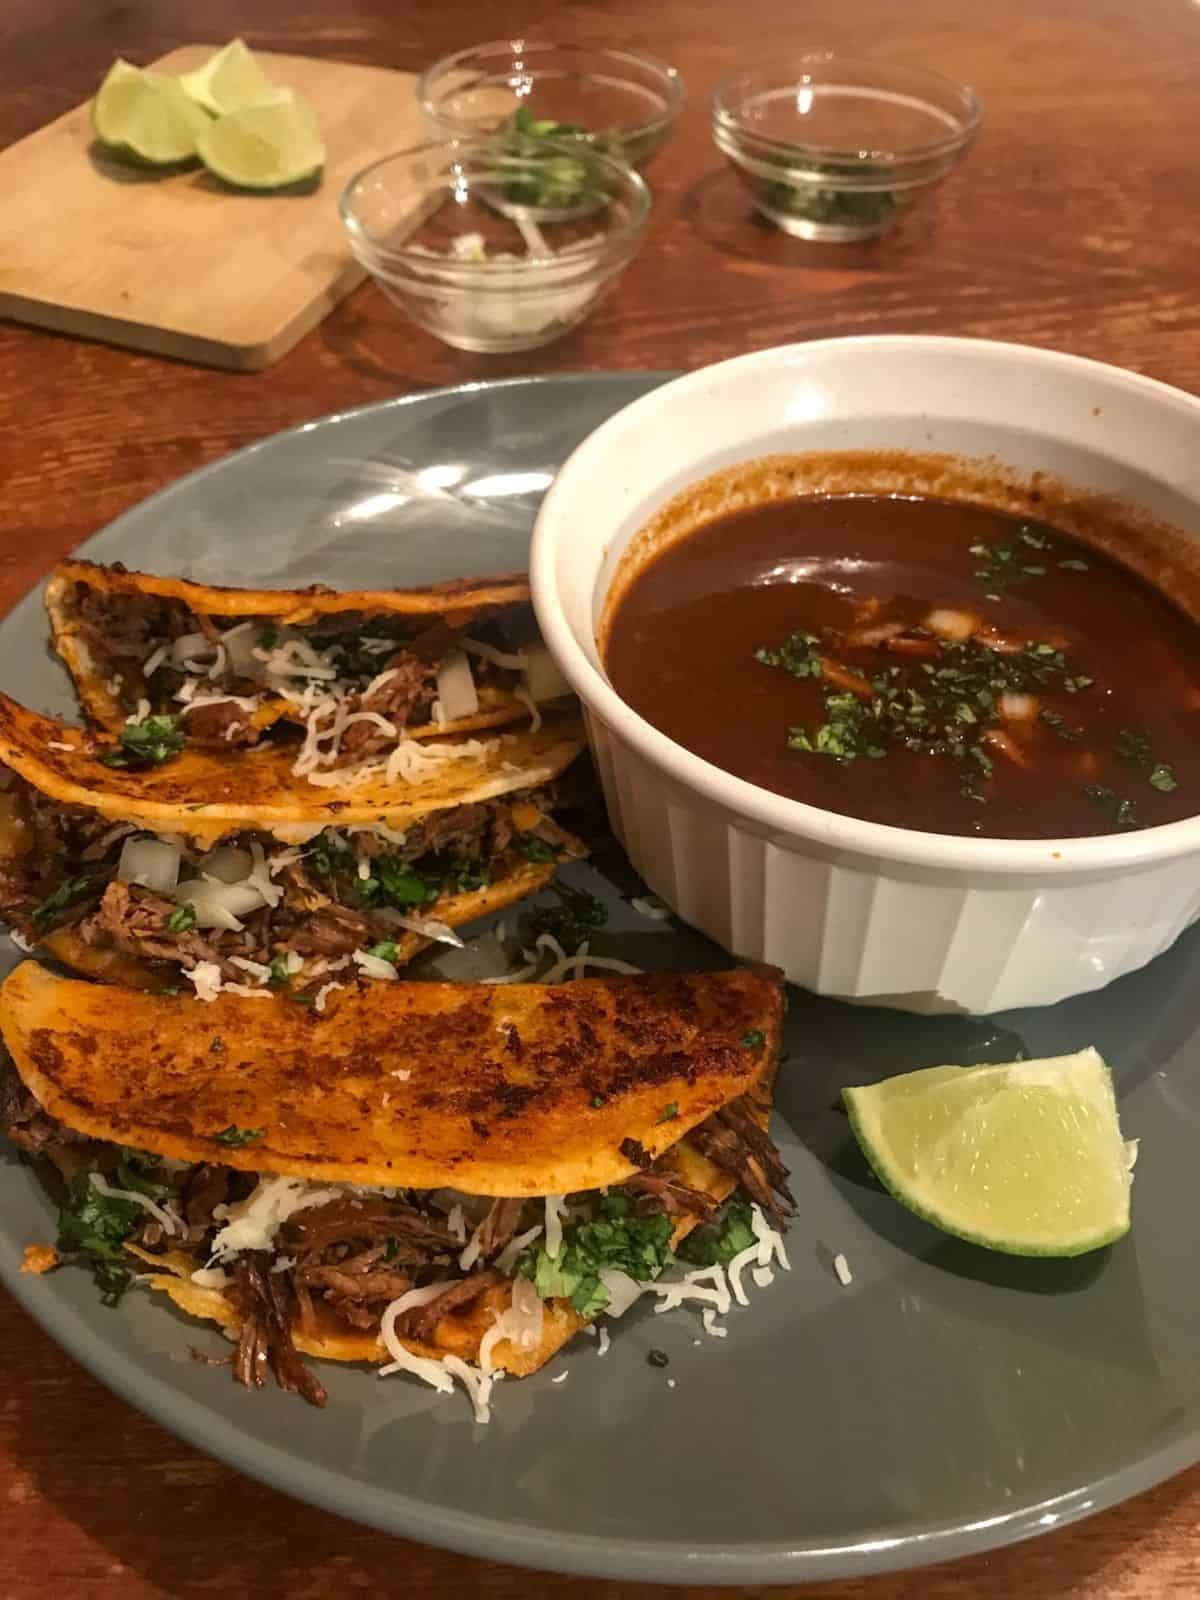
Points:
623	102
492	251
837	148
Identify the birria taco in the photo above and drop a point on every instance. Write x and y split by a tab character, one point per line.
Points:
453	1179
228	869
339	678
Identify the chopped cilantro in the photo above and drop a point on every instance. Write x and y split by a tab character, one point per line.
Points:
718	1242
70	893
182	918
279	972
402	885
1122	811
668	1113
147	743
599	1100
97	1225
268	638
234	1136
555	177
579	915
217	1046
616	1237
1004	563
848	207
754	1040
328	854
1133	748
385	950
799	654
300	999
534	848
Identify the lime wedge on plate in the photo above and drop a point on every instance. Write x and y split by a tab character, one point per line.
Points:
1026	1158
145	117
266	146
230	79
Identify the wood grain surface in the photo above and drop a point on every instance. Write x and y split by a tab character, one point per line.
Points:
177	263
1072	224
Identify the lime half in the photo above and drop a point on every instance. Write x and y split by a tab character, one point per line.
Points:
1026	1158
230	79
266	146
145	117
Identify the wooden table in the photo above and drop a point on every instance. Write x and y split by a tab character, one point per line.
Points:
1072	224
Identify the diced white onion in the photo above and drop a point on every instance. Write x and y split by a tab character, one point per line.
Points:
374	966
542	676
219	905
948	624
228	864
150	864
622	1290
456	688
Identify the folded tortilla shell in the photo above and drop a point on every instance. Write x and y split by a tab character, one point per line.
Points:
459	603
204	794
495	1089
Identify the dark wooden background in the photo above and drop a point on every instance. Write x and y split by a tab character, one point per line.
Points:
1073	224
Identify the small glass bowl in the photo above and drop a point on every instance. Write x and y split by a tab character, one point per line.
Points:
492	252
626	103
837	148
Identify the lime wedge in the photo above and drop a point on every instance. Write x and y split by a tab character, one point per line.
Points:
266	146
145	117
230	79
1026	1158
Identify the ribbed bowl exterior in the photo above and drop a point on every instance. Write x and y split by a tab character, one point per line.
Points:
882	916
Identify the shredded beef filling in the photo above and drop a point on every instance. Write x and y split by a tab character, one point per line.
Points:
733	1139
123	631
267	1302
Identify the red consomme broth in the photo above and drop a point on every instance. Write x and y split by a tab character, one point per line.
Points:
924	663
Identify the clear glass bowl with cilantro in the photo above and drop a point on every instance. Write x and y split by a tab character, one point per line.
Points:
493	248
623	102
834	148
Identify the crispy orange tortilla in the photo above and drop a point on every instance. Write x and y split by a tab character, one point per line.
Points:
205	794
495	1089
458	603
115	966
457	1334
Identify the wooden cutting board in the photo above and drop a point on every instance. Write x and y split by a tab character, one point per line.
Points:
181	265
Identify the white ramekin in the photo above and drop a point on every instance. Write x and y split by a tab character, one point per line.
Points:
881	915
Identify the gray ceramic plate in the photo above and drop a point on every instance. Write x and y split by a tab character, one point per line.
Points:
947	1401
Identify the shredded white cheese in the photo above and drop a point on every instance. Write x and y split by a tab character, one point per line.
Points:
527	700
255	968
20	941
711	1326
515	661
507	1259
323	994
252	1223
170	1221
57	744
140	715
605	1341
842	1268
456	1223
555	1212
